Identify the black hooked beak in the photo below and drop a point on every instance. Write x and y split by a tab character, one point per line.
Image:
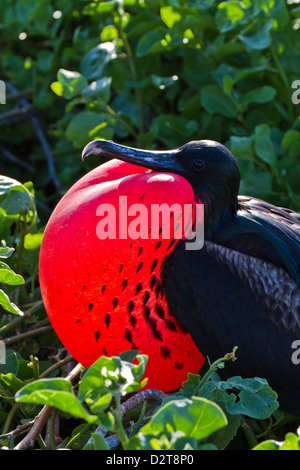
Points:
157	160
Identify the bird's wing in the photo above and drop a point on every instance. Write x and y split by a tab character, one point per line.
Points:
225	299
265	231
281	215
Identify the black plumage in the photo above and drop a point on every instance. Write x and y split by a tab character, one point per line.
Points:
243	287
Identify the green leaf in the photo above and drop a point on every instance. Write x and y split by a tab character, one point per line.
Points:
11	363
99	89
290	138
256	182
109	33
72	83
215	101
111	375
195	418
254	397
10	382
169	16
8	305
6	252
257	38
242	147
291	442
230	14
263	144
93	63
87	126
55	392
100	7
8	276
98	443
152	42
259	95
33	241
15	197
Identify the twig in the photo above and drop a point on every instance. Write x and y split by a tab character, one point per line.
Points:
16	113
41	136
130	404
39	423
12	158
138	398
18	94
58	365
28	334
19	319
43	416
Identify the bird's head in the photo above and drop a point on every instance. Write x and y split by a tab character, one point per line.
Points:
209	166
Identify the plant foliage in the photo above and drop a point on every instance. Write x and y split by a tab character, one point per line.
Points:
151	74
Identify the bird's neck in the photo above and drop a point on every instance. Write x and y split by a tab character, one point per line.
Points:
218	213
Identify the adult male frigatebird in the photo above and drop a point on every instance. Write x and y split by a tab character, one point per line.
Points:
242	288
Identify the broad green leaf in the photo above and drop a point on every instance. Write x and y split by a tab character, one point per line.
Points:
109	33
263	144
254	397
72	83
242	147
11	363
15	197
169	16
33	241
101	404
229	14
291	442
257	38
196	418
98	443
87	126
99	89
8	305
8	276
111	375
55	392
215	101
93	63
259	95
10	382
256	182
100	7
6	252
152	42
290	138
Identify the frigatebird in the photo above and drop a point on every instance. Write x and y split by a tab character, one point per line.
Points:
243	287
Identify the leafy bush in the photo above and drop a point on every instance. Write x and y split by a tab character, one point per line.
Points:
151	74
157	74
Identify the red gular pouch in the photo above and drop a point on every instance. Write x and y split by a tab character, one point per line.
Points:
100	269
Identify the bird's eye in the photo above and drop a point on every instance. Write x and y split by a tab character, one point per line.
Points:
198	165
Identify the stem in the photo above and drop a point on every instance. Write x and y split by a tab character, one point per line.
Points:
43	416
19	319
117	413
133	70
75	438
41	442
214	366
28	334
10	417
33	434
51	430
284	79
250	436
137	425
59	364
